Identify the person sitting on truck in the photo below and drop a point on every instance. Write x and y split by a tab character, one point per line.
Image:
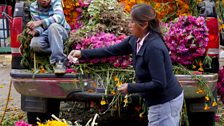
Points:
49	30
155	79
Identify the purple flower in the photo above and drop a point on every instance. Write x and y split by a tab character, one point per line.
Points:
100	40
22	123
187	38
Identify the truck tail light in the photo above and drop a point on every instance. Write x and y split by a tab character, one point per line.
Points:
213	43
16	29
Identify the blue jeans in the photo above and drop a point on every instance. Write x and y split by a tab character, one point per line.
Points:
51	41
166	114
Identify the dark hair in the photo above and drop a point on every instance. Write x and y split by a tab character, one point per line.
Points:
142	13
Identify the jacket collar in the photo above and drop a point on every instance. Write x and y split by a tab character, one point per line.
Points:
142	49
145	43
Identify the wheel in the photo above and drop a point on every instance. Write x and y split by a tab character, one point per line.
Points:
53	107
201	118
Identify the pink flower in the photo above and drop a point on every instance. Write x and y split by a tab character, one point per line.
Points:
22	123
79	10
100	40
217	118
70	70
187	38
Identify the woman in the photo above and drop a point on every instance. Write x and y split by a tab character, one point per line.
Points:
153	67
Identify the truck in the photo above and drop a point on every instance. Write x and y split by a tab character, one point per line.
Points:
41	94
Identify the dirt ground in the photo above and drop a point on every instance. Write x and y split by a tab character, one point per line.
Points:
14	100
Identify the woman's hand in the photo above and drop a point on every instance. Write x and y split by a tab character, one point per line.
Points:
123	88
74	55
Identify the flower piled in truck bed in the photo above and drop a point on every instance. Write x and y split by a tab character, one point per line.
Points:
166	10
187	38
103	70
73	11
104	40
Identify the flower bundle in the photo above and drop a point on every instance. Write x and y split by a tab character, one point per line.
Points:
129	3
187	38
73	11
104	40
166	9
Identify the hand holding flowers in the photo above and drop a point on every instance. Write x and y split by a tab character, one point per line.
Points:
74	55
123	88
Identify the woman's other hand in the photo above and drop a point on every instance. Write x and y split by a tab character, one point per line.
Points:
123	88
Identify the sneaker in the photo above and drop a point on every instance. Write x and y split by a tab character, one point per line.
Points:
59	68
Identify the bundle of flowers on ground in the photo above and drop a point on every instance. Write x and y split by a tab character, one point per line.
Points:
59	122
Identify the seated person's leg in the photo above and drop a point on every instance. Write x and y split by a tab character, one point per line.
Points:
40	44
56	36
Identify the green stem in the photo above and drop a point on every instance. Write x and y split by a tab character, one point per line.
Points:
115	98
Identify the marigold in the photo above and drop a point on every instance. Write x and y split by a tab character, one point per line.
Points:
207	98
52	123
141	114
214	103
103	102
116	78
113	92
200	91
206	107
125	100
200	69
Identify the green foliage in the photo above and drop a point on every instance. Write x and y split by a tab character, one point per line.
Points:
104	75
12	118
220	10
41	59
27	54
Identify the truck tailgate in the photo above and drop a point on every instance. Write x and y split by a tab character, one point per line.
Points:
46	85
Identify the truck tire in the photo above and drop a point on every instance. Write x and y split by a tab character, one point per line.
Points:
53	107
201	118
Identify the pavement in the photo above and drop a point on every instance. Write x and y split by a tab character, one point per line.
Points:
15	98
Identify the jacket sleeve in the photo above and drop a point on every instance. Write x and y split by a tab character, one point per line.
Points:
156	66
122	48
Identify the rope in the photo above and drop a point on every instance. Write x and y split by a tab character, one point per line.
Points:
7	101
5	14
